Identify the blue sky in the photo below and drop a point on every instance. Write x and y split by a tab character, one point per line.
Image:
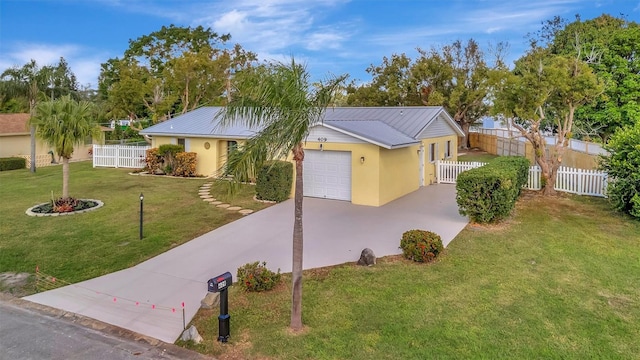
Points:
330	36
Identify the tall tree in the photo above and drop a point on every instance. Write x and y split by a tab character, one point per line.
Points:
174	69
31	83
392	84
610	45
280	101
64	123
541	95
459	77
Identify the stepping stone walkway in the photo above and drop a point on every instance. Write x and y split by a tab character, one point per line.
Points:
205	194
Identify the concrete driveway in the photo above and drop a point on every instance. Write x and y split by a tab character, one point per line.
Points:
148	298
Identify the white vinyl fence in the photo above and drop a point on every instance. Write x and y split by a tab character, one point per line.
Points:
119	156
571	180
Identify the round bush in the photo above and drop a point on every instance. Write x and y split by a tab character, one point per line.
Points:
421	245
256	277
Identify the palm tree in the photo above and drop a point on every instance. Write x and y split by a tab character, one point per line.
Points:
279	101
63	123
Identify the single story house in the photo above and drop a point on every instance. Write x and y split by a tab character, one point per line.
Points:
15	140
366	155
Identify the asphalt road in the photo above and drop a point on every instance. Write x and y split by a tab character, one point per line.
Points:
30	331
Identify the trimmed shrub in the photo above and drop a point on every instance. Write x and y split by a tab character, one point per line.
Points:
487	194
185	164
12	163
421	245
256	277
519	163
274	181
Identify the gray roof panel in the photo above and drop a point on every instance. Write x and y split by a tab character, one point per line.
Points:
199	122
373	131
409	120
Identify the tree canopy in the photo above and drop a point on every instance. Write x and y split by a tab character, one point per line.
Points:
21	87
611	47
172	70
458	76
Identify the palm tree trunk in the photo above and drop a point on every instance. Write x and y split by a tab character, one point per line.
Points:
33	149
296	272
65	177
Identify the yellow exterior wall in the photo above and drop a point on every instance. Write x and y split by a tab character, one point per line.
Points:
399	173
209	162
20	145
207	158
441	143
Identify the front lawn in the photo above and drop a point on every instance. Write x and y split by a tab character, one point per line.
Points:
558	280
82	246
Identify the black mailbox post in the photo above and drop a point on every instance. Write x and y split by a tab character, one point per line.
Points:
220	284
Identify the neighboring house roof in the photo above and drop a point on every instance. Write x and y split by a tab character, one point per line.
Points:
389	127
14	124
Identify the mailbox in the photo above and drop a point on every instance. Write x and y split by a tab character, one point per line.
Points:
219	283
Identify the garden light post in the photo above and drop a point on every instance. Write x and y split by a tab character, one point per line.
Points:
141	202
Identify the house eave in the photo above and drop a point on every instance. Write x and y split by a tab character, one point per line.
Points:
371	141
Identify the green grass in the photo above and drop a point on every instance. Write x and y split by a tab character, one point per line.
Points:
558	280
82	246
479	156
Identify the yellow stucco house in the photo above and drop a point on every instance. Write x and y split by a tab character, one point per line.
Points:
366	155
15	140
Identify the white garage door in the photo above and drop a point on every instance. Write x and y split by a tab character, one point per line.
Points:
327	174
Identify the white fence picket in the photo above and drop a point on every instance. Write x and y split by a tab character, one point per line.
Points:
571	180
119	156
448	171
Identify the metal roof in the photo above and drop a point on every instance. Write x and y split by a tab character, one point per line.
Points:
409	120
390	127
200	122
373	131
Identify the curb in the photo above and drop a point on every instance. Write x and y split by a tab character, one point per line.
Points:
169	349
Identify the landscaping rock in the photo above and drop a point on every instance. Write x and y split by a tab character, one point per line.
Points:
234	208
245	211
210	301
191	334
367	258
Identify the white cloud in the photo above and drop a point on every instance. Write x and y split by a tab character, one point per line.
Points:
324	40
84	63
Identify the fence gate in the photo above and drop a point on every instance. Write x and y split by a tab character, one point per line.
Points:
119	156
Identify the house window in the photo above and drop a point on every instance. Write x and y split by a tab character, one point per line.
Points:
447	149
432	152
231	146
182	142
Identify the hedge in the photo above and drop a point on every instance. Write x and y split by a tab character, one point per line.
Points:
489	193
274	181
12	163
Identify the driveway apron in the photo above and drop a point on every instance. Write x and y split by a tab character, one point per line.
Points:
150	298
